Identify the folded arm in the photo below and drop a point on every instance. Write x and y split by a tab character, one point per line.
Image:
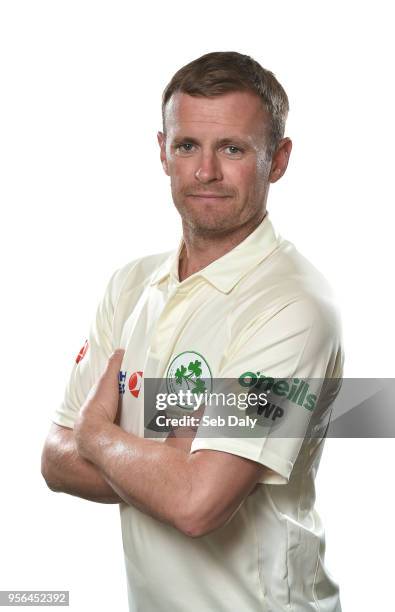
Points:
196	493
99	461
64	470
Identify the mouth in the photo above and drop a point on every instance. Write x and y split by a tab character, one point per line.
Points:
207	196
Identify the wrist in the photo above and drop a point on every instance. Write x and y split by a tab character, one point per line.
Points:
87	432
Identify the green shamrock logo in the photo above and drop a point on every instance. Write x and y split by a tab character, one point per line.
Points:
191	376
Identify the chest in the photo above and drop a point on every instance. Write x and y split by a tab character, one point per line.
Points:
168	332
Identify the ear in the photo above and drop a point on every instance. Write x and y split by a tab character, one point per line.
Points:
162	145
280	160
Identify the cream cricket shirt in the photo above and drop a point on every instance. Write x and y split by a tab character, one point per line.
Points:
260	308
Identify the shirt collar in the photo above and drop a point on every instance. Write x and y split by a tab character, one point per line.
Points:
226	271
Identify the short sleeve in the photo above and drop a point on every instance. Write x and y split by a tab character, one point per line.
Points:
92	358
300	344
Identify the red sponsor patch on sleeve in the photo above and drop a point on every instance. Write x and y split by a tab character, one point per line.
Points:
82	352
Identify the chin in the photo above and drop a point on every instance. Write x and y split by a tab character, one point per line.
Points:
204	224
205	219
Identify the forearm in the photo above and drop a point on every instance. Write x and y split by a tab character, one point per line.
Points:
155	477
66	471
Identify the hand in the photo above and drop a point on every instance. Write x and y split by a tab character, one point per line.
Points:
101	405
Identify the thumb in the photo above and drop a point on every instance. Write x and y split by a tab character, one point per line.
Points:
111	371
114	363
109	379
105	392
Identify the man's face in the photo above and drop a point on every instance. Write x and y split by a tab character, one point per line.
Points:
215	154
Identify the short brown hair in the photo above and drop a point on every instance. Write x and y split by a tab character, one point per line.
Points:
221	72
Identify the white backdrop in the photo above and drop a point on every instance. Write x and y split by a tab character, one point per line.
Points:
83	192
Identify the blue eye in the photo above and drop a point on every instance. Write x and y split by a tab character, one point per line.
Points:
185	147
233	149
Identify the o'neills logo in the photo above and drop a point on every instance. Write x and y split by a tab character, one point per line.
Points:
295	390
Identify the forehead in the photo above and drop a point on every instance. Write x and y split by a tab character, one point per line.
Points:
240	112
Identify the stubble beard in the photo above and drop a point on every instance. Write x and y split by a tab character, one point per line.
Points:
214	219
202	218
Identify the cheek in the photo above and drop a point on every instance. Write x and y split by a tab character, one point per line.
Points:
181	171
241	176
181	163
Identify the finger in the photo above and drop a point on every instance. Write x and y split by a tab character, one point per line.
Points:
109	379
114	362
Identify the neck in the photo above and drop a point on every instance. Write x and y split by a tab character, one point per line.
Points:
201	249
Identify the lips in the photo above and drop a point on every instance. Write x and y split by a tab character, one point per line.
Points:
207	195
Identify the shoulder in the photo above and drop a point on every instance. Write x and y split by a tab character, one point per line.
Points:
295	275
305	310
286	307
287	287
309	293
135	274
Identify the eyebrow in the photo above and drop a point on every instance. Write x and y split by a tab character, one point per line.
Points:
236	140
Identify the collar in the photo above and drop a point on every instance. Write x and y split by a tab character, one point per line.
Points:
226	271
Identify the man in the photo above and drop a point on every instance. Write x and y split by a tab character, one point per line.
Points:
211	523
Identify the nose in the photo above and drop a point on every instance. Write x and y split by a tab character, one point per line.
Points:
209	168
